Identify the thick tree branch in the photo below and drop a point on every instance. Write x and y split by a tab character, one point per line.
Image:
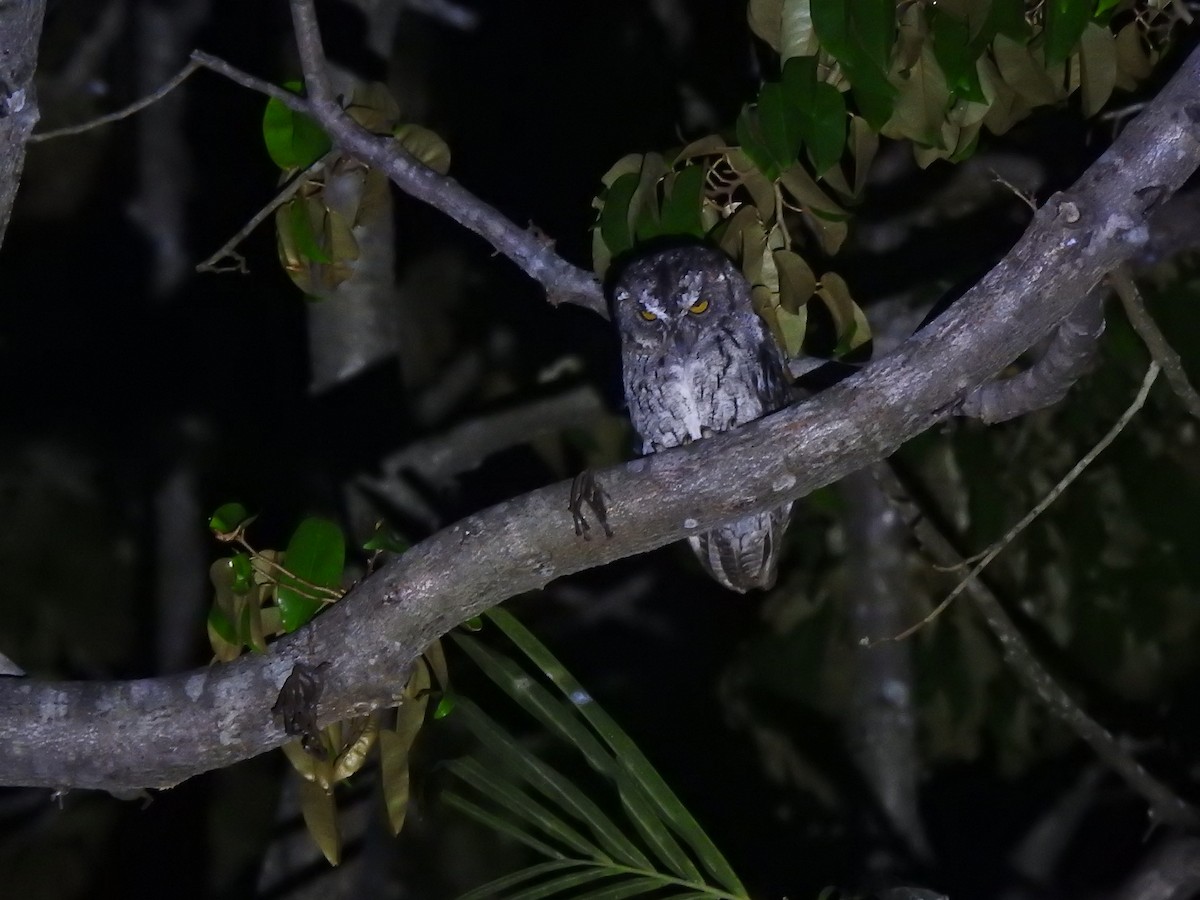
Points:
881	721
156	732
1067	357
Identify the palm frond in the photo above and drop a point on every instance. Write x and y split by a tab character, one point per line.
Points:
658	849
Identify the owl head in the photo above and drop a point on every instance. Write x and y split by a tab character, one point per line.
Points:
668	300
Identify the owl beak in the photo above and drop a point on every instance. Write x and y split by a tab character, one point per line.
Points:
679	341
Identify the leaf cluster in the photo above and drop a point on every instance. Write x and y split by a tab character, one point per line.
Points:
259	594
334	197
777	193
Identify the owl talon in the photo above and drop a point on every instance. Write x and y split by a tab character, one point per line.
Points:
585	490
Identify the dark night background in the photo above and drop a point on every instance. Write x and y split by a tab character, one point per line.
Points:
131	413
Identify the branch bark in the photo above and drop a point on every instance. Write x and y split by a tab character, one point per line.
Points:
20	30
157	732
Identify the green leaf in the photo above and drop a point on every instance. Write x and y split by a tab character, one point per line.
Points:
750	136
860	34
636	886
681	207
565	883
956	53
316	555
303	232
294	141
219	623
445	706
614	217
500	825
243	573
859	31
819	111
495	784
495	888
643	208
624	750
550	784
386	539
228	517
779	126
1064	24
560	719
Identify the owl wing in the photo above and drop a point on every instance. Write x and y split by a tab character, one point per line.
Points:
744	554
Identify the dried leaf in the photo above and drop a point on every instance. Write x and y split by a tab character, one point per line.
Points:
1097	67
320	817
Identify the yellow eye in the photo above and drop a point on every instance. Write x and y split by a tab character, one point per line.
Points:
647	315
699	306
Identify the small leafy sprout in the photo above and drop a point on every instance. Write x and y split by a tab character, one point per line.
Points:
445	706
229	521
384	539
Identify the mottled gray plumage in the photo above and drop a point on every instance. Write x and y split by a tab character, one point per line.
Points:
698	360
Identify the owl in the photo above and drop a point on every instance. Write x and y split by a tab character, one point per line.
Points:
697	360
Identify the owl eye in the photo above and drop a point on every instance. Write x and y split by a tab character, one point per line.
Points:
647	315
699	307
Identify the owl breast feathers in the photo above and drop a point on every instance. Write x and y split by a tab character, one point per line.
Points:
697	360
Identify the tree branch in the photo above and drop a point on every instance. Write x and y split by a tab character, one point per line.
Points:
1165	806
1156	342
1067	357
157	732
20	30
533	253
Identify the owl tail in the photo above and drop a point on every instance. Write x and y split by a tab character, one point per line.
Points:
744	554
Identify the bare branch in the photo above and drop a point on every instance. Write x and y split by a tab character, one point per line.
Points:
1040	507
285	193
1165	805
237	76
159	731
124	113
1155	341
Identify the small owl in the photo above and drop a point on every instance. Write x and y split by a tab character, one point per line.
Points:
698	360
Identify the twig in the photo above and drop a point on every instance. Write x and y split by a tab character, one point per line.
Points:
1054	494
285	193
1162	352
1165	805
198	61
126	112
1021	195
215	64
